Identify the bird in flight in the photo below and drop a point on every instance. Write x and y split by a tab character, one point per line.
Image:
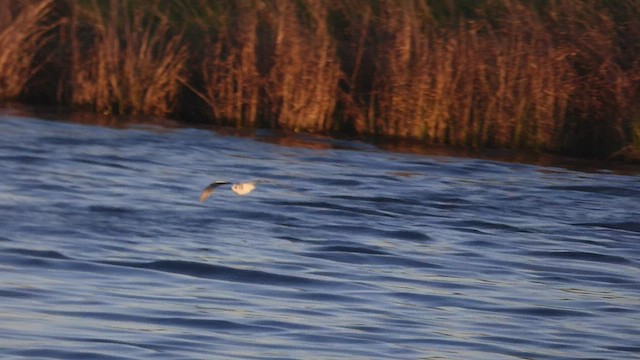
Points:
242	188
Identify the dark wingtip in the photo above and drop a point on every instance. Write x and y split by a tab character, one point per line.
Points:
210	188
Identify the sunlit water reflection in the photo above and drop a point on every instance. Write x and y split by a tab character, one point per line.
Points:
353	252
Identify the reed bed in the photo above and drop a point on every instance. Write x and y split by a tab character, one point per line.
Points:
125	59
302	83
230	83
559	75
478	84
25	29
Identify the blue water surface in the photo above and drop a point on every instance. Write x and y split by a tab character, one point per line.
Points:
349	252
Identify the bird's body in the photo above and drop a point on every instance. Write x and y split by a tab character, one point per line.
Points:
242	188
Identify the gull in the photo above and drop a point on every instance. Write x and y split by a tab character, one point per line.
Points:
242	188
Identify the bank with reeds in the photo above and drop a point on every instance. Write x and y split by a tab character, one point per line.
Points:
556	75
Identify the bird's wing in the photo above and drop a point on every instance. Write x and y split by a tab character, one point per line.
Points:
255	183
260	181
210	188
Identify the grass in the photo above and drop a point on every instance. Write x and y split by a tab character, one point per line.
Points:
558	75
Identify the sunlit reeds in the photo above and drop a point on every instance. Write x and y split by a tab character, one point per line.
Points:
302	84
126	59
272	63
473	84
513	75
229	72
605	58
558	75
25	28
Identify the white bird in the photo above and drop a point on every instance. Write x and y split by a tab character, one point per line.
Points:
243	188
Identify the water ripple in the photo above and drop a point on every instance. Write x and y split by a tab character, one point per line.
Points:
350	252
218	272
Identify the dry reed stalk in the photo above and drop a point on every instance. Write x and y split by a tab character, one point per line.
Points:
528	89
21	38
474	85
396	68
424	78
352	23
230	75
604	107
131	64
302	84
6	13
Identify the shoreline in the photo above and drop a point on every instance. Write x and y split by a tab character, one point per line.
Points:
326	142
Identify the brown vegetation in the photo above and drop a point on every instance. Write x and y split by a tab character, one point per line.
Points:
475	84
302	84
511	76
25	28
559	75
229	72
125	60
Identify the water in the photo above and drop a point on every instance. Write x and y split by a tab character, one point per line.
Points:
353	252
